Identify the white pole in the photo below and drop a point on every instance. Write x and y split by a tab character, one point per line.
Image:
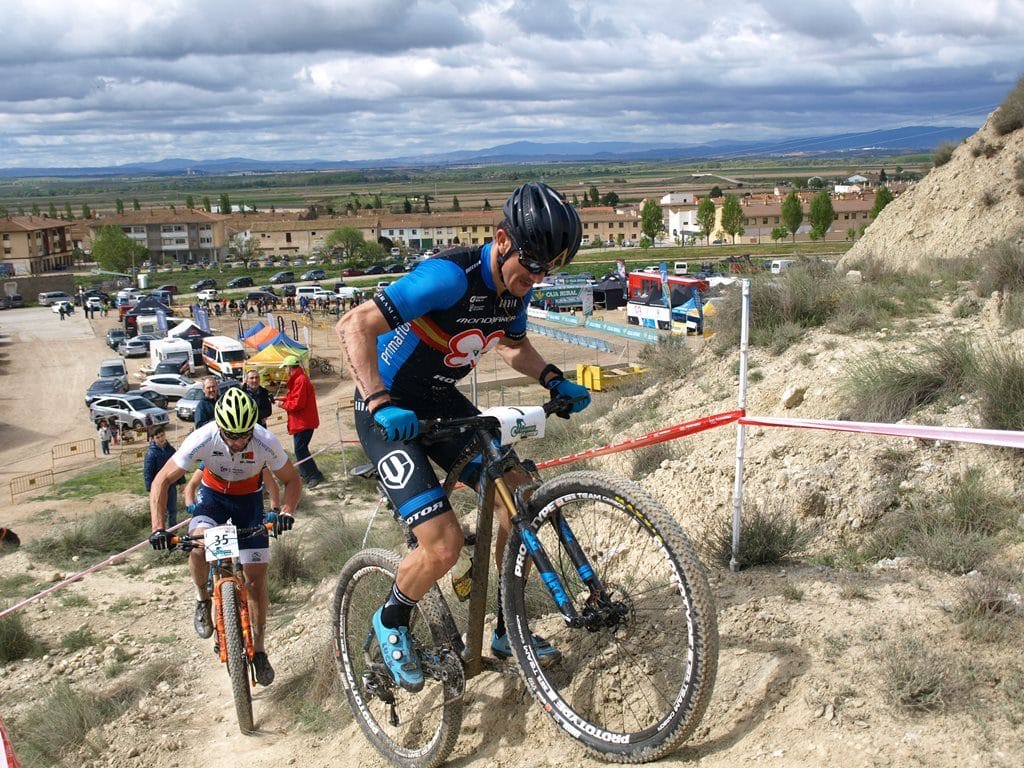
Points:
737	489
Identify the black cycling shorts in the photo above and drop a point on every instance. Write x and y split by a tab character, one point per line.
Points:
404	467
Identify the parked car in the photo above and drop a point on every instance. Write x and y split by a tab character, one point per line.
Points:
257	296
288	290
172	385
113	369
208	294
134	347
67	306
186	408
156	398
85	295
12	302
114	337
104	388
243	281
174	364
351	272
284	276
94	302
128	409
206	282
268	289
47	298
395	269
374	269
171	289
314	274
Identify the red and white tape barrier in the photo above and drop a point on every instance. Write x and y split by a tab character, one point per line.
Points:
996	437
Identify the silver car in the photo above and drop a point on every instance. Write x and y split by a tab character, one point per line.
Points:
130	410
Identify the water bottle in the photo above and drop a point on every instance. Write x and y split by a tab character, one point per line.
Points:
462	572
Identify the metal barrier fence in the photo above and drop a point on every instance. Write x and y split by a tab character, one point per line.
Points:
570	338
73	449
26	483
132	457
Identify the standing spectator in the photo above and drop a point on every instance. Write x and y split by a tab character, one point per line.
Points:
60	311
259	393
204	408
103	435
303	418
160	450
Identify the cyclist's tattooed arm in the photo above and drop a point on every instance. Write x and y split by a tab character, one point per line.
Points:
357	332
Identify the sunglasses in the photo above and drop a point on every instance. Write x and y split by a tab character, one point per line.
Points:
531	265
235	435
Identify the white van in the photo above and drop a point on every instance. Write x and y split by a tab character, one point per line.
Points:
309	291
160	349
223	356
778	266
49	298
680	268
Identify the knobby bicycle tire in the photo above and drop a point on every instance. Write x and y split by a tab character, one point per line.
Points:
238	664
429	720
633	691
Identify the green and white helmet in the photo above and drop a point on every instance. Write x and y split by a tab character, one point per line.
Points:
235	411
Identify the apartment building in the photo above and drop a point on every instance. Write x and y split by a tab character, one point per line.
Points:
762	213
32	245
171	236
610	225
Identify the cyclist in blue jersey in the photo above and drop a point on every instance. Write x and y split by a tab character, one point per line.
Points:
409	347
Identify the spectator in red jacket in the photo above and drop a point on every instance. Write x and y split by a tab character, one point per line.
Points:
303	418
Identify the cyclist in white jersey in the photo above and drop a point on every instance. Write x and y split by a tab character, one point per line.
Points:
234	450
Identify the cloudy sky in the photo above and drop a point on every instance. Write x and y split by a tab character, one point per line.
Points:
108	81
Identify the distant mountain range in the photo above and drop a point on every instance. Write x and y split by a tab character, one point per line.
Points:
905	140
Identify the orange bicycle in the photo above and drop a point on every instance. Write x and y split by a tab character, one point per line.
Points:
226	583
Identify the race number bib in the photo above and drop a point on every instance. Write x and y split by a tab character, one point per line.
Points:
221	542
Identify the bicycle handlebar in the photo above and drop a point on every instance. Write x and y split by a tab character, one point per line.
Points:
432	430
188	541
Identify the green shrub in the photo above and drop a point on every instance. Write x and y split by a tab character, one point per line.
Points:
767	537
668	360
1010	114
15	640
916	678
1002	267
985	609
100	536
888	388
1000	386
943	154
954	532
77	639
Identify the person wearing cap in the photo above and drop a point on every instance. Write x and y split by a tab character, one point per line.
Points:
303	418
408	347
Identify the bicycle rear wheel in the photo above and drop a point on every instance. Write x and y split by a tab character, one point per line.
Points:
238	664
633	685
413	730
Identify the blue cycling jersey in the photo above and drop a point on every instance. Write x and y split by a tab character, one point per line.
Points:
443	316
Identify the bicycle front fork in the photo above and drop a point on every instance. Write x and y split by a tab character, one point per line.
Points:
600	611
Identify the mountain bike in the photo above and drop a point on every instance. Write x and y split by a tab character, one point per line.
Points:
621	594
233	626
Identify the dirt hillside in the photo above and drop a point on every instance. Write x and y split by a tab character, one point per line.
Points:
955	209
803	677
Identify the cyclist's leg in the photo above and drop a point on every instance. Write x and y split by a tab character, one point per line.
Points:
259	600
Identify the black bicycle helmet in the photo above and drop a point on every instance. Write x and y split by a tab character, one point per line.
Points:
543	225
235	411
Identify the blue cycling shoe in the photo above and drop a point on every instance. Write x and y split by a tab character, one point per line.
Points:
546	652
396	648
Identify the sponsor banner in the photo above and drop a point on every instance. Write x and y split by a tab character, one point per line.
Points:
638	334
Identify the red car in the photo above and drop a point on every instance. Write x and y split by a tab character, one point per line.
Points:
351	272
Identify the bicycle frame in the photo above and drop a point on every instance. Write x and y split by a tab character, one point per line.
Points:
496	462
215	578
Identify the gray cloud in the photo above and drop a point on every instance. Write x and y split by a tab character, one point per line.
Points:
339	79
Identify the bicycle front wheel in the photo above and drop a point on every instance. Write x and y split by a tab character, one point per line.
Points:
634	683
412	730
238	664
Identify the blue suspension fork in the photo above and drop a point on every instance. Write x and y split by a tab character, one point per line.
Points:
542	561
